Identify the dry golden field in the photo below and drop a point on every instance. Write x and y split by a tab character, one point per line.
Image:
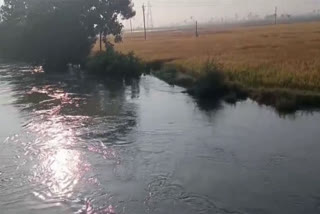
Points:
282	56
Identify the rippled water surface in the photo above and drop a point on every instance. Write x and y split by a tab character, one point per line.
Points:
73	144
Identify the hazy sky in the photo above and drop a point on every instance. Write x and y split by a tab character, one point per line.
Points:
168	12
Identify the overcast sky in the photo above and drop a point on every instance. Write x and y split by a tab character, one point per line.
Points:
169	12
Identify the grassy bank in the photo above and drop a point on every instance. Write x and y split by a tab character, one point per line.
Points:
282	60
212	83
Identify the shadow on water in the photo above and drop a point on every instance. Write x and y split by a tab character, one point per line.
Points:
209	106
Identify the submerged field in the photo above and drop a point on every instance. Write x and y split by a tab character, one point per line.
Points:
282	56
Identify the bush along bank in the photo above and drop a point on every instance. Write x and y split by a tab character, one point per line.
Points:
113	64
211	83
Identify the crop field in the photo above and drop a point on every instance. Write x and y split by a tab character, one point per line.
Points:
275	56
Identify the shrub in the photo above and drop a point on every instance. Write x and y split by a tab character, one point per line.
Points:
211	84
114	64
167	73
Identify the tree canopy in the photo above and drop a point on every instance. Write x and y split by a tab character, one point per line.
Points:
56	32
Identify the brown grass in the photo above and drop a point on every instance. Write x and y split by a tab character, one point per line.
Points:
285	56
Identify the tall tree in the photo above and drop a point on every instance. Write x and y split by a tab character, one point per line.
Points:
57	32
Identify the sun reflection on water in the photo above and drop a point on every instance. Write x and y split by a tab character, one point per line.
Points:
58	153
37	69
60	165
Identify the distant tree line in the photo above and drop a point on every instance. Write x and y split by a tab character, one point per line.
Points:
54	33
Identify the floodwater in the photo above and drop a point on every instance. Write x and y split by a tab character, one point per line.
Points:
73	144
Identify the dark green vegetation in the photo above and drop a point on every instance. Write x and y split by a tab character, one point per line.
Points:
212	83
54	33
114	64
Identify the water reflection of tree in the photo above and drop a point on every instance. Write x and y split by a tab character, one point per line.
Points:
116	113
68	117
208	105
107	103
